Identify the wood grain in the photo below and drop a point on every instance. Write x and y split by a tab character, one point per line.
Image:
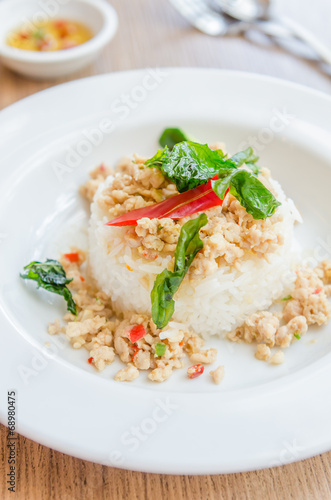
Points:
153	34
45	474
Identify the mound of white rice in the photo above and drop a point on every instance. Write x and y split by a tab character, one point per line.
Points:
215	304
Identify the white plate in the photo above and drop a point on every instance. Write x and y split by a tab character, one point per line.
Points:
261	415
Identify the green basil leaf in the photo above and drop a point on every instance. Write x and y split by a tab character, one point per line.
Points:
254	168
51	276
172	136
167	283
249	191
189	243
222	184
189	164
158	159
249	158
163	305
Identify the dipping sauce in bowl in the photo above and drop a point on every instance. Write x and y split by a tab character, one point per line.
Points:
50	35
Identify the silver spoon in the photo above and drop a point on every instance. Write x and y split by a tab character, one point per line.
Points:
208	19
259	10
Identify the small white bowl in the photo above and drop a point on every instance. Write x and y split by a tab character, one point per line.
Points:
98	15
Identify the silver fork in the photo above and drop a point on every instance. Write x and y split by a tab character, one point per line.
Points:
206	19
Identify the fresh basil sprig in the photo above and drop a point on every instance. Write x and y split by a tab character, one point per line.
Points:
189	164
51	276
172	136
168	282
249	191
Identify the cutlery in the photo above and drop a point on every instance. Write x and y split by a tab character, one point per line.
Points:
208	20
259	10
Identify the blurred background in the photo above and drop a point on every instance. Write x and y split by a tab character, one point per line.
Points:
153	33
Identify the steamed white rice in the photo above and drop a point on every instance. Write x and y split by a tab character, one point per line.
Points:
212	305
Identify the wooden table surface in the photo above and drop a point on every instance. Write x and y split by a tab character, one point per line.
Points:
151	34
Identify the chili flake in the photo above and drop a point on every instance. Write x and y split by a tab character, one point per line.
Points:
195	371
72	257
136	333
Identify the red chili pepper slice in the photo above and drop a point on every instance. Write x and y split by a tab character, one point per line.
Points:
72	257
136	333
318	290
195	371
90	360
178	206
135	352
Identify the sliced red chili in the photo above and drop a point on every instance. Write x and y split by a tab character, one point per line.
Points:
178	206
90	360
318	290
72	257
195	371
135	352
136	333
